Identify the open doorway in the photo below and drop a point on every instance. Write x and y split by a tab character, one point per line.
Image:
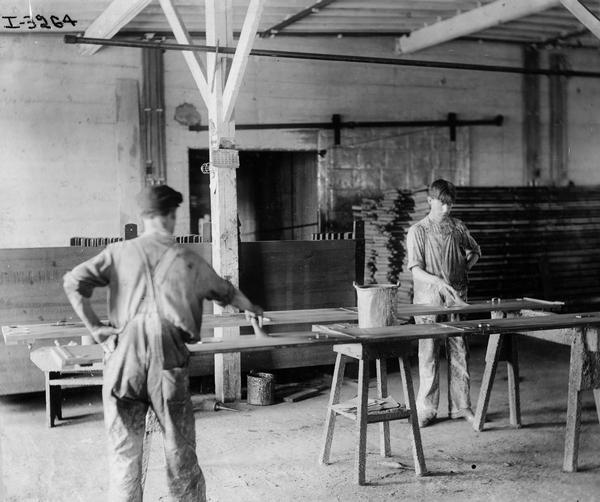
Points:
277	194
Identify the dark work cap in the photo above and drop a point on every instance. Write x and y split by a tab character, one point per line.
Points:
158	199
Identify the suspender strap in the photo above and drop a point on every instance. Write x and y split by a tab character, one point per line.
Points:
163	264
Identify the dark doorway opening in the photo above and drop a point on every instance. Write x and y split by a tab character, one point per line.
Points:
277	194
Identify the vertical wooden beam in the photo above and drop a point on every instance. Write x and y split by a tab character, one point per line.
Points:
223	190
129	159
531	119
558	122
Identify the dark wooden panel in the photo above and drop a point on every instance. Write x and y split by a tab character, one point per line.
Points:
282	275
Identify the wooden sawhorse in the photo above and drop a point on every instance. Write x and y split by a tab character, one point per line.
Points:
364	353
584	375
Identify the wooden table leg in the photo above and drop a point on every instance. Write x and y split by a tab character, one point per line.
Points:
53	399
361	421
385	448
409	396
512	365
334	398
573	406
492	357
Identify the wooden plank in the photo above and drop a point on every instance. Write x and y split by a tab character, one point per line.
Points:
28	333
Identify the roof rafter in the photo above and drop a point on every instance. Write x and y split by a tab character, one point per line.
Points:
274	30
585	15
471	22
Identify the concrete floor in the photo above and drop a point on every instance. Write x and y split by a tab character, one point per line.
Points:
270	453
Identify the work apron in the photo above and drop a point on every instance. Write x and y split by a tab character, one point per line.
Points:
149	368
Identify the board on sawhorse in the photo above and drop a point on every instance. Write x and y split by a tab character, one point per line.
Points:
584	375
84	370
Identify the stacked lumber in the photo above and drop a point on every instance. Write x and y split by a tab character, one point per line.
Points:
536	241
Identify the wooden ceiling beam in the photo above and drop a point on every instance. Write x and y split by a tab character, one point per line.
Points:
116	15
473	21
585	15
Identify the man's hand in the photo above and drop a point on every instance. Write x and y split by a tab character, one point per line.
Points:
255	313
106	336
450	295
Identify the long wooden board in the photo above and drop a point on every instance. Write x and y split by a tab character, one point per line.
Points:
403	333
29	333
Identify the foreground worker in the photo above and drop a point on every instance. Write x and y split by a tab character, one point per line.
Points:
156	290
441	251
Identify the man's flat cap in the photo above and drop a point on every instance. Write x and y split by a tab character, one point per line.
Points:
158	198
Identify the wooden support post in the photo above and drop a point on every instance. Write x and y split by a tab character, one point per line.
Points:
223	191
559	146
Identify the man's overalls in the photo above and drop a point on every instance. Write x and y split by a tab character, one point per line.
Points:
149	367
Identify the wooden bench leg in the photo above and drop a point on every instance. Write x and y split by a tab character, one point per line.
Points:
53	399
597	399
492	357
409	396
512	365
574	406
361	421
385	448
334	398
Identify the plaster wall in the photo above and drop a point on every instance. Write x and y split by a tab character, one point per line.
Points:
58	144
64	143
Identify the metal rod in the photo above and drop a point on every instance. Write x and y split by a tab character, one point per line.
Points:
72	39
496	121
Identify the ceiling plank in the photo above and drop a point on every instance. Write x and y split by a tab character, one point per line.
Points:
585	15
191	58
240	59
273	30
116	15
470	22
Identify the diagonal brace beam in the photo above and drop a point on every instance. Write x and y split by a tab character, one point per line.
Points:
116	15
240	59
585	15
191	58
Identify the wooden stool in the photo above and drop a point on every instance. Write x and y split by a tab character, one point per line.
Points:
366	352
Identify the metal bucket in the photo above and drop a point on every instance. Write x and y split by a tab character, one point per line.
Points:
376	304
260	389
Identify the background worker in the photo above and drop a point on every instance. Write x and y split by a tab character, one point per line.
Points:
441	252
156	290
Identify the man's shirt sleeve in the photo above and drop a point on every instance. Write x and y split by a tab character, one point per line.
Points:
88	275
216	288
415	248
